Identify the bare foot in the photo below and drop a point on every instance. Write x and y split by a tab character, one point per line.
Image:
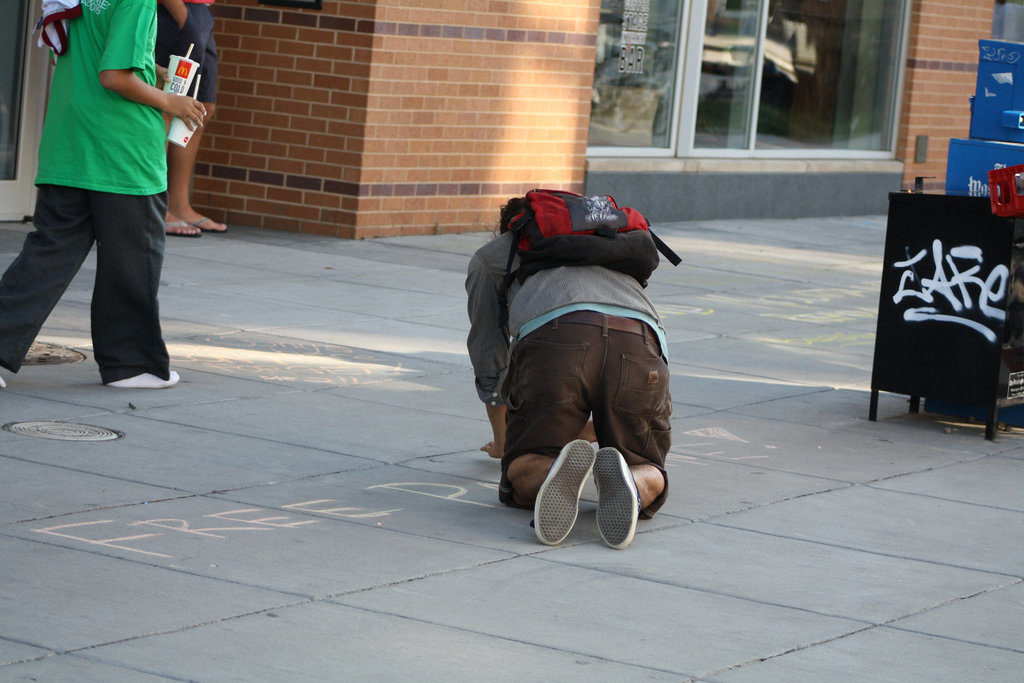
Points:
195	219
181	228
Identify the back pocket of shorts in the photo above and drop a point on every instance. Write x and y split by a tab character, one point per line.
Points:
643	386
545	371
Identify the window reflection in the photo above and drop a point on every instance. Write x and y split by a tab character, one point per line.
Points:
634	77
727	74
829	74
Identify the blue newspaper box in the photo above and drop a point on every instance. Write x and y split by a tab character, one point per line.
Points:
997	134
997	108
970	161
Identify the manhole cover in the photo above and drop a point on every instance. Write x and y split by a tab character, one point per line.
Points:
64	431
41	353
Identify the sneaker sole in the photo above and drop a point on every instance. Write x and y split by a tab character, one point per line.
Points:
617	506
558	500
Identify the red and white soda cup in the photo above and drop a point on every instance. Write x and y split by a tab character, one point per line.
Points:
180	71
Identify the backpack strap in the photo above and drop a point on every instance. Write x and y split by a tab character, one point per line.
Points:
665	250
516	228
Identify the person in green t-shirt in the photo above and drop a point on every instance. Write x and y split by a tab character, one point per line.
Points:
102	179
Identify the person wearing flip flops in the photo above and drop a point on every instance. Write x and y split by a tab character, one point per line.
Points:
578	355
180	24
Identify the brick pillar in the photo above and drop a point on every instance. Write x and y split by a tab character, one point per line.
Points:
942	68
388	117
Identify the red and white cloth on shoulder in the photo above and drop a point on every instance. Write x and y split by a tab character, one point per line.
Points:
54	23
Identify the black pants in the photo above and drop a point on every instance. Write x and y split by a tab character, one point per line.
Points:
128	231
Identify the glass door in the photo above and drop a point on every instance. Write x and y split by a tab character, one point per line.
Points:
22	103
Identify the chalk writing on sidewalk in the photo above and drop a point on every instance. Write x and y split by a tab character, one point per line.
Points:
333	511
695	446
715	433
444	491
97	533
80	531
953	287
125	535
683	309
837	339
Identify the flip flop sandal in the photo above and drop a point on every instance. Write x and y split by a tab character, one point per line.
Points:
199	224
177	226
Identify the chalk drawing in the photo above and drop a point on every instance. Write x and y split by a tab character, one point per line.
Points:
683	309
824	317
267	521
104	533
715	433
708	442
813	296
841	339
183	526
349	512
422	488
80	531
954	290
115	542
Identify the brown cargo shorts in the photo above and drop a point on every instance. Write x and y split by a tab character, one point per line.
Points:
587	364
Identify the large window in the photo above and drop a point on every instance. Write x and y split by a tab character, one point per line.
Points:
829	72
634	80
761	77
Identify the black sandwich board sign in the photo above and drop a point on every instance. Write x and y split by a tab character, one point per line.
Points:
951	307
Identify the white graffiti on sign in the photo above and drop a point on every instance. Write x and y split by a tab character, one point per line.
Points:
954	288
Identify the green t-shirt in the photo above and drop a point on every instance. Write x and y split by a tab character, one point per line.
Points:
92	137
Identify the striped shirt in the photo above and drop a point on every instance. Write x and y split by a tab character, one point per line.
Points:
542	297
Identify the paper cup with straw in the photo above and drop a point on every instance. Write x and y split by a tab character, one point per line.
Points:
181	71
179	133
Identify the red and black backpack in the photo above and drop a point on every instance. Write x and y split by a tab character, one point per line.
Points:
565	229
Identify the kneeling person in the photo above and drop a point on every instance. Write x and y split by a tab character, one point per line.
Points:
586	343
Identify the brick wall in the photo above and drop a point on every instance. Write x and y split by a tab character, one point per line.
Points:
942	67
384	117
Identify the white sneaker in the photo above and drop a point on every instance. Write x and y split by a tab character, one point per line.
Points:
146	381
618	503
558	501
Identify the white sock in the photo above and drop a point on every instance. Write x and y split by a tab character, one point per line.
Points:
146	381
3	384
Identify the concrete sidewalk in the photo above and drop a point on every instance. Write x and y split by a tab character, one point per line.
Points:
309	504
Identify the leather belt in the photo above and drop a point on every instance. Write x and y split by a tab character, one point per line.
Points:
614	322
